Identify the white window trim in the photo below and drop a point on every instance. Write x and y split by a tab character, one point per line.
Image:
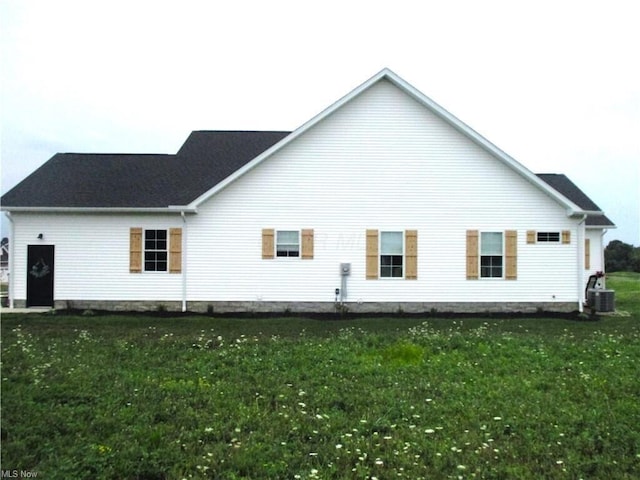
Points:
275	244
503	254
557	232
145	250
380	254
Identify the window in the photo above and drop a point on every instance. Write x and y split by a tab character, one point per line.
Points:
155	251
288	243
491	255
391	254
552	237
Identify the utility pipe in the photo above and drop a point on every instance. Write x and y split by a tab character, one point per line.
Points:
12	257
184	261
602	260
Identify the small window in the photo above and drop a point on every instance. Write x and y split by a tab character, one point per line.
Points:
491	255
155	250
551	237
391	254
288	243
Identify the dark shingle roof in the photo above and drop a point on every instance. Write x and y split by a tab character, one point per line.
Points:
566	187
210	157
78	180
140	181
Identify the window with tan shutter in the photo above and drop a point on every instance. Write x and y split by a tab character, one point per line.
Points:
268	243
287	243
511	254
307	244
175	250
372	254
566	236
472	255
587	253
135	250
411	254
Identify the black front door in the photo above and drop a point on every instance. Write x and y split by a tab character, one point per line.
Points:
40	275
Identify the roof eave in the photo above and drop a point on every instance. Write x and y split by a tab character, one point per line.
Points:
169	209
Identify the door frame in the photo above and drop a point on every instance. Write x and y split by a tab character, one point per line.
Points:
40	275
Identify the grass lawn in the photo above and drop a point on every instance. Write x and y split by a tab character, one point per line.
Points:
144	397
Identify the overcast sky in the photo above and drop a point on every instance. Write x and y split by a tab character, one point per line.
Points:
554	84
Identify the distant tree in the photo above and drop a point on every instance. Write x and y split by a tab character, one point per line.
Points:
621	257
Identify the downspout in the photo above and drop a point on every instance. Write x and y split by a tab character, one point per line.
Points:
580	250
11	258
604	270
184	261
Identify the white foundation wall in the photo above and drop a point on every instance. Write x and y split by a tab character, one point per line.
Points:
92	256
382	162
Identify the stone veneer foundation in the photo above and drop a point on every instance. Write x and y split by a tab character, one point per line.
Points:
218	307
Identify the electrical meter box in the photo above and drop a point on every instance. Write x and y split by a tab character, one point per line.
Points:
345	269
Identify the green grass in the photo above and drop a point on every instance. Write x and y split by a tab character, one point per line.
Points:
627	287
144	397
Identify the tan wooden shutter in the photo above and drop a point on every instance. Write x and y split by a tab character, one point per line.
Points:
372	255
587	253
472	254
411	254
268	245
175	250
307	244
511	254
566	236
531	236
135	250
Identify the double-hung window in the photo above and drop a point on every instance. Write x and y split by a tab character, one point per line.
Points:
491	254
155	251
288	243
391	254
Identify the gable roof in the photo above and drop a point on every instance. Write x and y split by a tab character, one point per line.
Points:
138	181
388	75
208	161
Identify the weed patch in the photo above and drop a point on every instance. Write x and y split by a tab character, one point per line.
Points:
207	397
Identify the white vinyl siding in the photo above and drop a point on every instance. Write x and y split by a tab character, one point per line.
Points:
93	256
443	184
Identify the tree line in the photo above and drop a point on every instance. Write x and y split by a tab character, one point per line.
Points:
621	257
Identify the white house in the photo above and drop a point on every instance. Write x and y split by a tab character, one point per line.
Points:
383	202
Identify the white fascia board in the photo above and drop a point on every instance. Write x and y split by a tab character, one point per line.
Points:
425	101
170	209
600	227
